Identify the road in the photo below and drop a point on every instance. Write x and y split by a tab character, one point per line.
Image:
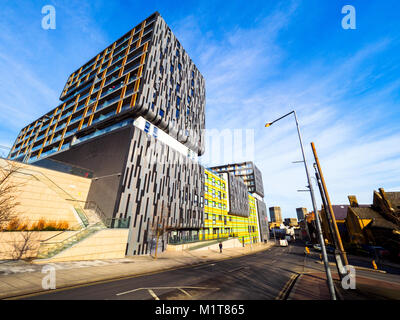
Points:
265	275
262	275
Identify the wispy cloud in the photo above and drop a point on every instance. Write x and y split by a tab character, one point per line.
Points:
35	63
340	106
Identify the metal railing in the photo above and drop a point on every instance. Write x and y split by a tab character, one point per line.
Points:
182	240
49	249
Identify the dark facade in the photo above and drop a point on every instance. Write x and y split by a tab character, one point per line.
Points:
301	213
160	187
237	194
275	214
248	171
263	220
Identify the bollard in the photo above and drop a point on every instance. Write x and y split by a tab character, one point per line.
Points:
374	265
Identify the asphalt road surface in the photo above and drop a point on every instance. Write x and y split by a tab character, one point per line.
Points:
265	275
262	275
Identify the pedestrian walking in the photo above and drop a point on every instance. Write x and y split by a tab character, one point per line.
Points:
220	247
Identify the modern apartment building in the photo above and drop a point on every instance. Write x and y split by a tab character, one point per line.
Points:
133	117
301	213
252	178
248	171
275	214
220	221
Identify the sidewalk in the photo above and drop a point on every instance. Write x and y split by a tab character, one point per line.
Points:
313	286
310	286
23	278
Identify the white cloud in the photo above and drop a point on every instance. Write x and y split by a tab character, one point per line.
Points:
337	105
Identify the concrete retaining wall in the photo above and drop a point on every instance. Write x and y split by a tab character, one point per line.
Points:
12	242
104	244
43	200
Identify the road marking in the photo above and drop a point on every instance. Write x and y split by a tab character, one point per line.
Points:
185	292
240	268
160	288
287	286
207	265
153	294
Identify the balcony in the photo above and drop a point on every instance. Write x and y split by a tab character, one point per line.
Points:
113	69
99	132
48	152
112	89
107	103
134	66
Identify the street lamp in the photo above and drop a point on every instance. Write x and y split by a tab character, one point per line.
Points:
310	188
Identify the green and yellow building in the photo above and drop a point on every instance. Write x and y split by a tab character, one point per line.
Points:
218	222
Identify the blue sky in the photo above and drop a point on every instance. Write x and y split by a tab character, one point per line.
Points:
260	59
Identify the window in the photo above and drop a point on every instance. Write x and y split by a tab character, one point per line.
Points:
178	101
147	127
177	113
161	112
179	67
155	132
178	87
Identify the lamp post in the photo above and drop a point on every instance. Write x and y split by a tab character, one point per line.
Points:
310	188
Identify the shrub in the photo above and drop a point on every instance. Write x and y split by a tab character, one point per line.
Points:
13	224
41	225
62	225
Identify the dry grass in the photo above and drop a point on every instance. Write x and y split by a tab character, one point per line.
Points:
41	225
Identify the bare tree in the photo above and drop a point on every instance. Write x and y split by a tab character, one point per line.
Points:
160	229
24	245
8	190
